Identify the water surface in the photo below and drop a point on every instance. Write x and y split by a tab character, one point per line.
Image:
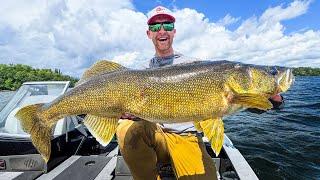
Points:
283	144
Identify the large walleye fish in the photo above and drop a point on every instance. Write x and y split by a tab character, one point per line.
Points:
202	92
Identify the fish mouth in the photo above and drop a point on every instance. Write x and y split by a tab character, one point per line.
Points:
285	79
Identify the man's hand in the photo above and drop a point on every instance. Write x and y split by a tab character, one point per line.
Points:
128	116
277	101
276	98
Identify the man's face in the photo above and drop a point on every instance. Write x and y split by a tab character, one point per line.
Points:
162	39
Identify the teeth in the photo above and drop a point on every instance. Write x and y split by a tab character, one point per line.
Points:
288	75
279	79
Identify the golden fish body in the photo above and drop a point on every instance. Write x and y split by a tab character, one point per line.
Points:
202	92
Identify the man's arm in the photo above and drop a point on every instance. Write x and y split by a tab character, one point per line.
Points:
277	102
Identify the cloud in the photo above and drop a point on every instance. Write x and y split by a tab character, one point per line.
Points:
258	40
271	18
72	35
131	59
227	20
279	13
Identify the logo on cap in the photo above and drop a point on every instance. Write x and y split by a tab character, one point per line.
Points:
159	9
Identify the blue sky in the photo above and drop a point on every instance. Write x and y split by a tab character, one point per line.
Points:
71	35
244	9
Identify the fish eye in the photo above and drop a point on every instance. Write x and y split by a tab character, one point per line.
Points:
273	71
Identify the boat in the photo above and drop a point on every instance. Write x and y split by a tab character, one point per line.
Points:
75	152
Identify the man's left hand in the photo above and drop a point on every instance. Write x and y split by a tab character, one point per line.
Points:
277	101
276	98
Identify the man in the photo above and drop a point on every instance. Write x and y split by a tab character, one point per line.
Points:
144	144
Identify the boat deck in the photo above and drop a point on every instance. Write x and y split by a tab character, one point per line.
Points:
111	166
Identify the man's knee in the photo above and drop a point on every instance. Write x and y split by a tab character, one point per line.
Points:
130	133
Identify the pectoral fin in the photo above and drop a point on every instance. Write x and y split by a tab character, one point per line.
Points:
213	129
102	128
253	101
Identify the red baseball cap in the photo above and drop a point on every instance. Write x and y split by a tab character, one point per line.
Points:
160	11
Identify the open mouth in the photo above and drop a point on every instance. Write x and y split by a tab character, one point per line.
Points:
163	39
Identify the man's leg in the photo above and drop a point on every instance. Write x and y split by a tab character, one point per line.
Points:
189	157
142	146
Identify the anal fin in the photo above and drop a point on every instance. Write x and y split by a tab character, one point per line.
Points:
102	128
213	129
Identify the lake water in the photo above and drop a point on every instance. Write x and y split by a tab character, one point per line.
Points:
282	144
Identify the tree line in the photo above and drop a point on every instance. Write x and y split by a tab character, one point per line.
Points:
12	76
306	71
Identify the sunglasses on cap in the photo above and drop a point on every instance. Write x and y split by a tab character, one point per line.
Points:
167	26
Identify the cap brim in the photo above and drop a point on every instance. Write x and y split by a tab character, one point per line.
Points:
155	17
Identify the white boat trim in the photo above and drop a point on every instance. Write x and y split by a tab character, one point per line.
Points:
50	82
241	166
61	125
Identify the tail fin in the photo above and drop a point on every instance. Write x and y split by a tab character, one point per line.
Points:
40	133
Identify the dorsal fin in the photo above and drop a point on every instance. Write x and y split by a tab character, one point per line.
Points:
100	67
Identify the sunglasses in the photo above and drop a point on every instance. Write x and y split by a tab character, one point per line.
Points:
167	26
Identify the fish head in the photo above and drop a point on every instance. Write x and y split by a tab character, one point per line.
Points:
264	80
285	79
271	79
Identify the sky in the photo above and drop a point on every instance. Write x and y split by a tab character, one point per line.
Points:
71	35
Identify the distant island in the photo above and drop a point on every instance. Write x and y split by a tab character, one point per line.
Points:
12	76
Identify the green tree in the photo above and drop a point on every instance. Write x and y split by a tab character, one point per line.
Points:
13	76
306	71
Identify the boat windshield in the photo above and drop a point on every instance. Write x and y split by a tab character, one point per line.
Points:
28	93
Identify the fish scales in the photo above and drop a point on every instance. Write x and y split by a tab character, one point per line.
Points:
152	94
